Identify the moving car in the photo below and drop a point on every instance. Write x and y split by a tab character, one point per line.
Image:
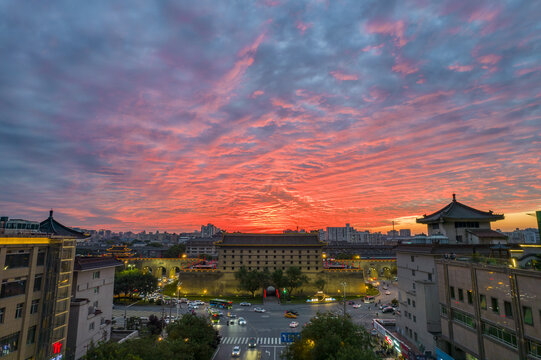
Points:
290	315
383	306
252	342
293	324
245	304
242	321
357	306
387	292
236	351
351	302
259	310
387	309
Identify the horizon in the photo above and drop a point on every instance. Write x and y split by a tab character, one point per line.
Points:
268	115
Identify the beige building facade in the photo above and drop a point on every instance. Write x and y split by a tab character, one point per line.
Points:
489	309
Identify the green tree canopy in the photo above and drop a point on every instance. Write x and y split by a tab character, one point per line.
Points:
175	251
128	282
331	337
320	283
248	280
294	279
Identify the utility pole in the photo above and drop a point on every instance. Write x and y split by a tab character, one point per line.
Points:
344	285
125	314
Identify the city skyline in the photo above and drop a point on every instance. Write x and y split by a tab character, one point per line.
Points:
269	115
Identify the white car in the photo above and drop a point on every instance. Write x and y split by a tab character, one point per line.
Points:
293	324
242	321
259	310
245	304
236	351
387	292
193	307
357	306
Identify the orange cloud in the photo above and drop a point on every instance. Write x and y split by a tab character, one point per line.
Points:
344	77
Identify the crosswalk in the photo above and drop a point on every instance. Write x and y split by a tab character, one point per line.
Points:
232	340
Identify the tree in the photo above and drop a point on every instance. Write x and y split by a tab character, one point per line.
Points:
294	279
154	325
331	337
320	283
175	251
128	282
278	279
248	280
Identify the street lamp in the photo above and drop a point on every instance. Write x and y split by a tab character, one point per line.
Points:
344	284
178	297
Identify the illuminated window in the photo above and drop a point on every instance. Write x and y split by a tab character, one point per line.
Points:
494	305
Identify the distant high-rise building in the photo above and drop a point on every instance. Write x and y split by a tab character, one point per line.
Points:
405	233
392	233
209	230
339	233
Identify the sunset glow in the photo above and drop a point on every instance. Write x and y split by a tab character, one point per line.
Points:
263	116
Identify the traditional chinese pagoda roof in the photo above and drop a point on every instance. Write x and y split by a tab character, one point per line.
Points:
270	240
52	227
458	211
487	234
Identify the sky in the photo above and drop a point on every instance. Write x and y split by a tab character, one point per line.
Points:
259	116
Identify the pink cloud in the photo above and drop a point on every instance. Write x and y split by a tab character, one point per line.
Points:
483	15
490	59
395	29
303	26
404	67
461	68
344	77
377	48
421	81
257	93
528	70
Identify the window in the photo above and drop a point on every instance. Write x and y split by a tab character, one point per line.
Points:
12	288
443	310
413	286
96	275
460	295
459	238
409	301
31	335
412	258
429	277
508	310
470	297
97	290
16	260
528	315
34	307
534	348
41	258
413	303
37	282
466	224
415	336
494	305
500	334
414	318
483	301
9	344
463	318
2	314
435	226
412	272
65	266
19	311
452	291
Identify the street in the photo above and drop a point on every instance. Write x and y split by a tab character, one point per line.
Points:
266	327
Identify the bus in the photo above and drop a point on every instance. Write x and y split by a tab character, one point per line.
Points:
215	318
220	304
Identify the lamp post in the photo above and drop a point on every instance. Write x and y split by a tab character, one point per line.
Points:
178	297
125	314
344	284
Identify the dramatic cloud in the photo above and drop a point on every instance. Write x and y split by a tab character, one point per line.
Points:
268	115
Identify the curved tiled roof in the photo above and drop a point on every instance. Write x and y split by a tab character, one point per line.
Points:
458	211
270	239
52	227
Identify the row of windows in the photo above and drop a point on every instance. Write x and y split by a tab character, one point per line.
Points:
275	268
408	315
274	256
19	260
500	334
466	224
274	251
257	262
18	287
9	344
463	318
469	294
411	333
411	302
34	308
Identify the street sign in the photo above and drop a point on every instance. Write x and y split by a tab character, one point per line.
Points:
288	337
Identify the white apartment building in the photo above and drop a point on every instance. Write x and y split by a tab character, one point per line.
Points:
91	308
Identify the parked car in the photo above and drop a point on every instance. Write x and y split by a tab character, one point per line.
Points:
236	351
382	306
387	292
293	324
242	321
357	306
259	310
387	309
292	312
351	302
252	342
245	304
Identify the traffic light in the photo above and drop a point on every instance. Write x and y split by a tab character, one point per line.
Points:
285	291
